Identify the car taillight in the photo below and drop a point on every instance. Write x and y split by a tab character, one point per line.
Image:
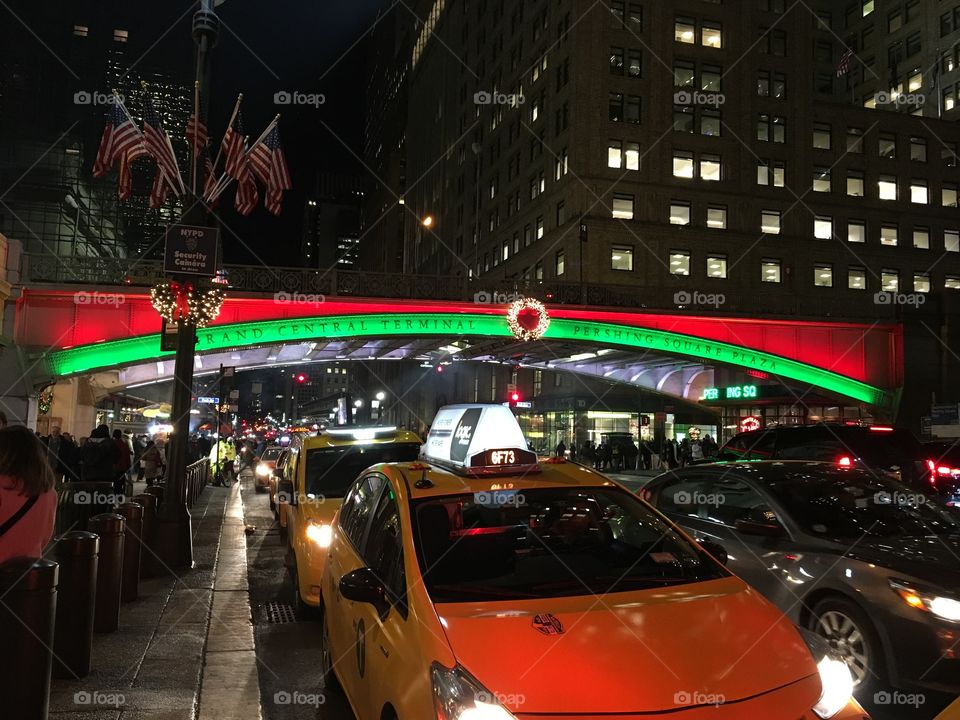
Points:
881	428
845	461
932	467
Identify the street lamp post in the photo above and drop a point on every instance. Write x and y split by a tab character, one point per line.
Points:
175	535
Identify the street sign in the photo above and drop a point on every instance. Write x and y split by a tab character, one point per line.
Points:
202	400
168	336
191	250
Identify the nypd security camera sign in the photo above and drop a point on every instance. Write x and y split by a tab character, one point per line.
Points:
191	250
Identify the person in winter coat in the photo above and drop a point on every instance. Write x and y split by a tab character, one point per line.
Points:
28	500
122	463
98	457
151	462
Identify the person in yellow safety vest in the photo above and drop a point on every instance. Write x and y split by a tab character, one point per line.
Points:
226	452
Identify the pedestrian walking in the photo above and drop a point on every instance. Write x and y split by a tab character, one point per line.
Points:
561	449
98	457
28	500
150	461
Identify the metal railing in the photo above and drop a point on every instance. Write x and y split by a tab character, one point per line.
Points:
287	283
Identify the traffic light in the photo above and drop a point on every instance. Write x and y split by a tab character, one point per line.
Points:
301	378
514	398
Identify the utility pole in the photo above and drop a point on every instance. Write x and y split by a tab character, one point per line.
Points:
176	537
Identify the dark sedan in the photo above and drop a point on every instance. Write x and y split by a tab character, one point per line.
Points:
870	565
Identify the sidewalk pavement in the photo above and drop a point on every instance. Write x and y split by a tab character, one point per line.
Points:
184	649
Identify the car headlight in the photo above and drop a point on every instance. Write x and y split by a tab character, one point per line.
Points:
836	682
458	696
320	534
943	607
263	470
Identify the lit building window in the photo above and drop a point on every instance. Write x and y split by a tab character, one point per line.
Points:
823	275
710	167
623	207
951	240
887	146
631	155
948	197
821	136
770	271
121	36
770	222
952	282
614	154
857	278
887	187
918	149
682	164
823	227
921	238
888	234
855	183
866	7
889	280
711	35
81	30
679	213
821	179
684	30
560	262
717	266
621	257
918	192
921	282
680	262
717	217
854	140
856	231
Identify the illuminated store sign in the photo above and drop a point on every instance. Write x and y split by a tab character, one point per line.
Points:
732	392
290	330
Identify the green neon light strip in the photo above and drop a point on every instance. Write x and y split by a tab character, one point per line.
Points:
269	332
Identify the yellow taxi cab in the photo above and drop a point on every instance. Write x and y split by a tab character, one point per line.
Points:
317	471
265	466
480	583
952	712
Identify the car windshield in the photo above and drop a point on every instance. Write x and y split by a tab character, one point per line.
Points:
271	454
551	542
851	504
330	470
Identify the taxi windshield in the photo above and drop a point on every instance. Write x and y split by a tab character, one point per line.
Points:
330	470
271	453
550	542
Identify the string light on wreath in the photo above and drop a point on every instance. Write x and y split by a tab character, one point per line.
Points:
181	301
528	319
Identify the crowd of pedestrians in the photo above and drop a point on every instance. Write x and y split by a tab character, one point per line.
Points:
624	454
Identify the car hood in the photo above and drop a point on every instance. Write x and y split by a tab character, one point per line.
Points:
631	652
934	559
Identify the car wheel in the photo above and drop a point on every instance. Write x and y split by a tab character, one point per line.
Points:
852	636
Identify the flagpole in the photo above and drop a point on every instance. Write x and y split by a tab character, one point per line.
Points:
176	165
233	116
264	133
224	180
196	136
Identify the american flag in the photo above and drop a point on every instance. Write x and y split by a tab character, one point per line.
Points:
196	134
247	197
158	145
233	147
125	179
270	165
843	67
120	134
211	181
159	189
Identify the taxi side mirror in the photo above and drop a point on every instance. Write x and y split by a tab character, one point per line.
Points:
716	549
362	585
285	493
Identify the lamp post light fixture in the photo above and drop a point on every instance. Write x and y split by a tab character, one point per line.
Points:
427	221
381	395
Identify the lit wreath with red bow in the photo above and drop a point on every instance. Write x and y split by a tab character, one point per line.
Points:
528	319
181	301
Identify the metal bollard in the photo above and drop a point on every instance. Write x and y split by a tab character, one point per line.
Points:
110	528
76	552
133	515
147	533
157	491
27	611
